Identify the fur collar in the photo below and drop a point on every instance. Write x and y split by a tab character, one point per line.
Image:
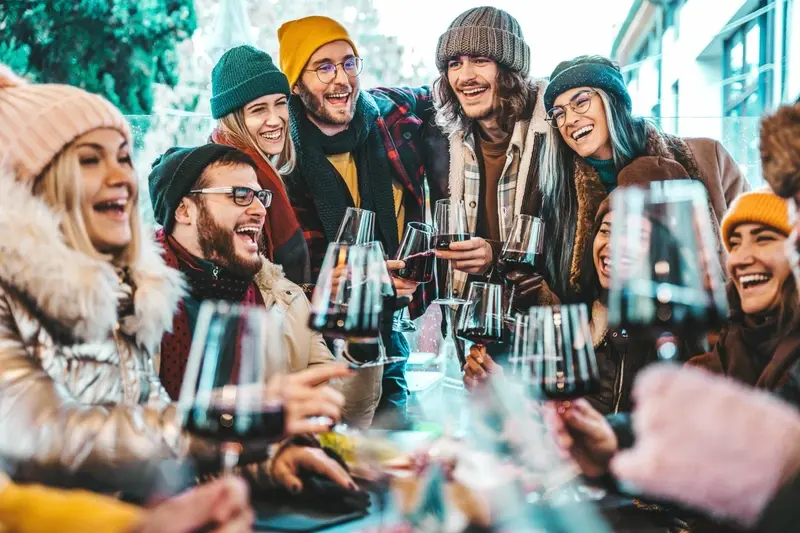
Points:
72	290
274	286
525	131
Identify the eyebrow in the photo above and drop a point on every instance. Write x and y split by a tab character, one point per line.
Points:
100	147
324	60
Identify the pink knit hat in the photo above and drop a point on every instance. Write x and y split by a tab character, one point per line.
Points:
38	120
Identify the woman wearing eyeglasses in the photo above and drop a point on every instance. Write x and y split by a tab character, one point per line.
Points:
594	135
249	100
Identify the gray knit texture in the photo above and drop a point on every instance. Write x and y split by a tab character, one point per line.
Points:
485	31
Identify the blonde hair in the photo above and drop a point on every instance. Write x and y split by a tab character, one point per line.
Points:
61	185
234	125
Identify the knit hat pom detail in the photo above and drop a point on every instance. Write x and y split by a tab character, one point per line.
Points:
8	78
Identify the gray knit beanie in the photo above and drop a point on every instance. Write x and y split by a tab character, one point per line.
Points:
485	31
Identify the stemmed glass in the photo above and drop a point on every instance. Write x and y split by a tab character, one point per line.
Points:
416	250
522	251
357	226
450	224
481	319
666	283
224	398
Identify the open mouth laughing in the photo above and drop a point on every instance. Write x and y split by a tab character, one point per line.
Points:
115	208
751	281
249	235
582	133
272	135
340	99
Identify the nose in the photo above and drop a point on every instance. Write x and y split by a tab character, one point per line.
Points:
341	76
273	118
571	116
256	209
739	259
120	175
467	69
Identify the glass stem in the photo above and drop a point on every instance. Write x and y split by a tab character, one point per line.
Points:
230	456
338	349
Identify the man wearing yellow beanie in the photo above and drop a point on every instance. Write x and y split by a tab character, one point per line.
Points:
355	149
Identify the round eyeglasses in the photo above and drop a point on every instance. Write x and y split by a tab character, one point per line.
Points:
326	72
242	196
580	103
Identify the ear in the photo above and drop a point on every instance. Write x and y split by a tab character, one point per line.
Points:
186	212
296	89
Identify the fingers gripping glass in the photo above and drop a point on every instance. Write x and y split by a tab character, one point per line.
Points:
326	72
580	103
242	196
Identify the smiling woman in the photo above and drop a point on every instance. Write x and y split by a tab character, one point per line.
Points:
593	136
763	339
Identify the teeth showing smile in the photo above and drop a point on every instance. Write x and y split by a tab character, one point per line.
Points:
250	231
751	280
473	92
583	132
272	136
112	205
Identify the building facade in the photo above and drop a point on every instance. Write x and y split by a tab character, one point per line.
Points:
711	68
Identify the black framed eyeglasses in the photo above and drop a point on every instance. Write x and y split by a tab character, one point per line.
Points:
580	103
326	72
242	196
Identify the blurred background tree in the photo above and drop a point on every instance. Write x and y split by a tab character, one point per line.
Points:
117	48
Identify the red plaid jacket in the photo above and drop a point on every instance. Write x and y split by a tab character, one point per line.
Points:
406	119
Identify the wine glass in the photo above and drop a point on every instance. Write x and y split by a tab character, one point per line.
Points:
481	320
561	357
666	283
235	350
520	349
357	226
450	224
522	251
416	250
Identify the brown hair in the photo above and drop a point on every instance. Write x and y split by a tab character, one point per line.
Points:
517	96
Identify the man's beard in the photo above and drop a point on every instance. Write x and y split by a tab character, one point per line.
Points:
315	105
218	246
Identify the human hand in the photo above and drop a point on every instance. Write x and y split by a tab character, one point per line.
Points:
292	459
700	441
526	289
473	256
306	395
585	435
403	287
221	506
479	367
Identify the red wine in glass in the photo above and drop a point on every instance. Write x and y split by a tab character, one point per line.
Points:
481	336
221	422
525	262
443	241
419	267
481	320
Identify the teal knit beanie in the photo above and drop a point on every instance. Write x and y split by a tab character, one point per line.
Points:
587	71
240	76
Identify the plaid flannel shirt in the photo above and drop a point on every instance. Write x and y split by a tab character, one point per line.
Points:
506	187
403	113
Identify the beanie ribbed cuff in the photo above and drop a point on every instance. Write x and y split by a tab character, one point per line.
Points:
756	207
587	75
503	46
271	82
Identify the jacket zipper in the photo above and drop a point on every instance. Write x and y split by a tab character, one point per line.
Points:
621	375
215	272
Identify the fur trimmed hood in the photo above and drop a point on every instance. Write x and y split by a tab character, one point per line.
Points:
72	290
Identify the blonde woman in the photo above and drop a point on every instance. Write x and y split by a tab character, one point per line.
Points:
85	299
250	102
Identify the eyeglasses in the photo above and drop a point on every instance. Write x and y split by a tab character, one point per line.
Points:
326	72
242	196
580	103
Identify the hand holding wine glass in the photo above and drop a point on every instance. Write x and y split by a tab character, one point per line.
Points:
450	224
481	320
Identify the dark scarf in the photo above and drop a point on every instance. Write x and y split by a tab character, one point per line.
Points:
207	281
752	351
331	197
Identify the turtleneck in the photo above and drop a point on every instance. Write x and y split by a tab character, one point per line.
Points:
605	169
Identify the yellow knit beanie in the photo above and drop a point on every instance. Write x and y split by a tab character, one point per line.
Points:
756	207
299	39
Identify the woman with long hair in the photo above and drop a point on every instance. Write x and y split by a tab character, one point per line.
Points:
593	137
85	298
250	102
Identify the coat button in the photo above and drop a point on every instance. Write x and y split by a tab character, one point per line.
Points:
407	136
473	203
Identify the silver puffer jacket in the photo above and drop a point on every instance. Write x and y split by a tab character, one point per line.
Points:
78	390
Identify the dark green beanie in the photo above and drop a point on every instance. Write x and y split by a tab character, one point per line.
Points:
587	71
240	76
174	174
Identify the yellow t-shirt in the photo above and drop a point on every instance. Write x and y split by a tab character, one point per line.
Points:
345	165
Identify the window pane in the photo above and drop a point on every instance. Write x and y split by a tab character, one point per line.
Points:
736	57
753	49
